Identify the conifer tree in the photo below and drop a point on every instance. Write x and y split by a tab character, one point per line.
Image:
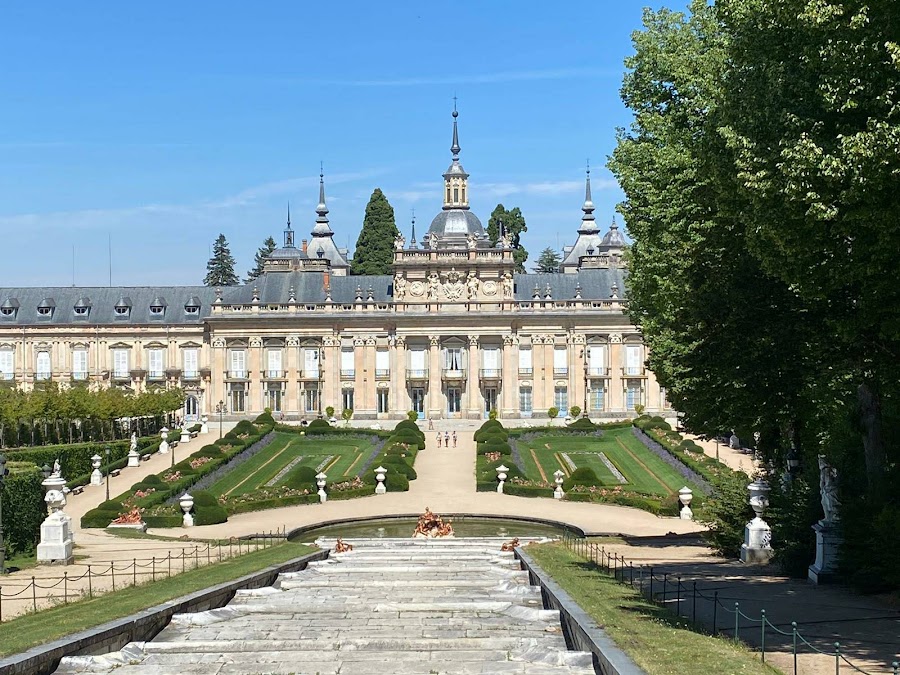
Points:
374	252
514	225
259	260
220	268
548	261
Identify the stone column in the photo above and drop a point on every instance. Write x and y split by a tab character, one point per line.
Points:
616	391
330	374
255	398
435	393
217	374
366	404
473	384
549	383
538	376
651	392
291	365
359	372
577	359
400	403
509	387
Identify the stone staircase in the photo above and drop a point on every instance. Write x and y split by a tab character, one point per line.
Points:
403	606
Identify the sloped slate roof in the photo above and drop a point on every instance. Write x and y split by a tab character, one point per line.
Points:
102	305
595	284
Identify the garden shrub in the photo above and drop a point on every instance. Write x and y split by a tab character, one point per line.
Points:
23	508
581	476
156	521
207	510
582	424
264	418
408	424
396	482
152	479
301	477
99	518
495	445
318	423
491	432
244	427
397	463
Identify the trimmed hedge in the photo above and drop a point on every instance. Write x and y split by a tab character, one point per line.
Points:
300	477
23	508
207	510
582	424
318	423
582	476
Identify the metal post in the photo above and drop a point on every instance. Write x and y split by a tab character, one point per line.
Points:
170	562
183	558
108	468
65	588
737	617
134	572
694	606
794	643
762	640
837	658
678	597
715	629
154	568
665	587
112	569
34	593
651	583
90	585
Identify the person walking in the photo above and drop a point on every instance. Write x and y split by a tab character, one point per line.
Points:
439	439
430	424
454	439
446	439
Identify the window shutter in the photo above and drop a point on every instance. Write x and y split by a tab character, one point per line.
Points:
417	359
596	357
347	359
120	361
311	362
382	360
156	360
560	362
6	362
274	360
238	360
525	359
492	359
190	361
79	361
632	359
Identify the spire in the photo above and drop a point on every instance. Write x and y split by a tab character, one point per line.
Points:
588	223
455	147
412	239
322	229
288	232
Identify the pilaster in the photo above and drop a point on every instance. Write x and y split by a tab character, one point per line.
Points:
400	401
291	366
509	387
473	385
435	393
616	382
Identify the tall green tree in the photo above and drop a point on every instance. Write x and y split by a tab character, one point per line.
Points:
513	225
548	261
259	259
374	253
220	268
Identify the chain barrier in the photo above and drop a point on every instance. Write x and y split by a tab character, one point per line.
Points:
624	572
138	566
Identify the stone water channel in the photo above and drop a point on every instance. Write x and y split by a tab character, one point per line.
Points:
392	605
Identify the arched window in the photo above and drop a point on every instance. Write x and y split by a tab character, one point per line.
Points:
455	195
464	194
448	194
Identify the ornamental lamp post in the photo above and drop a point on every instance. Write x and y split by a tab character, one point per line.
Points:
220	411
793	461
2	542
108	450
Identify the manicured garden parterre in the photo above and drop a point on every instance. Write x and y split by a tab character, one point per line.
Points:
604	463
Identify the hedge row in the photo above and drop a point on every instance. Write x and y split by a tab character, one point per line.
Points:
167	486
23	508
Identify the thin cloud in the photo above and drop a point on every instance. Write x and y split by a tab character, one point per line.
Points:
473	78
546	188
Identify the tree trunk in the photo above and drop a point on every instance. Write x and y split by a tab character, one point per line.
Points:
873	441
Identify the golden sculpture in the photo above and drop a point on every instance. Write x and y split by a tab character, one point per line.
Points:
341	547
431	525
510	545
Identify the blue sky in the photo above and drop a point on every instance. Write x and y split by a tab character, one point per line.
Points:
163	124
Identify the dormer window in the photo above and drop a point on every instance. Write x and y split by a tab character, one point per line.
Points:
192	306
320	252
82	308
191	309
46	306
81	311
123	307
9	307
121	311
157	309
7	311
45	311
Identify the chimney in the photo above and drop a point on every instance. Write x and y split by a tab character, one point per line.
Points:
304	245
326	280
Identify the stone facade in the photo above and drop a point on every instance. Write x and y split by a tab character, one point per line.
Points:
453	332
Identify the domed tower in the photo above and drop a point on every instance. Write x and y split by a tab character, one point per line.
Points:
455	224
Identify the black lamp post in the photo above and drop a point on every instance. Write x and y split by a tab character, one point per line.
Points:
793	462
220	411
2	542
107	472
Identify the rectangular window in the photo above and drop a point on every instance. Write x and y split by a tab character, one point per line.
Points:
238	396
238	363
120	362
7	364
525	362
311	400
273	399
455	195
633	360
155	363
273	363
43	365
417	362
190	361
561	399
596	360
598	398
525	402
418	400
632	394
79	364
382	363
381	399
347	363
346	399
491	362
454	400
311	363
560	362
453	359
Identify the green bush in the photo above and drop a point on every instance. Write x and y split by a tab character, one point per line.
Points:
491	432
412	426
98	518
582	476
265	418
23	508
318	423
495	445
397	464
575	411
210	515
396	482
243	427
412	415
582	424
406	436
301	477
155	521
726	513
152	479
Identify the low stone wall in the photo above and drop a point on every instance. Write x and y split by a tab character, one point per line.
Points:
581	632
145	625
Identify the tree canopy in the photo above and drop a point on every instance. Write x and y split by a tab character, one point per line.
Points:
220	268
757	174
514	225
548	261
374	253
259	259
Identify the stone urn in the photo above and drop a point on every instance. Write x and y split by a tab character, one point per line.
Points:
558	477
320	482
686	496
164	445
96	475
186	502
502	471
204	425
380	489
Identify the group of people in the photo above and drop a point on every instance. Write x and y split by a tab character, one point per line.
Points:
447	438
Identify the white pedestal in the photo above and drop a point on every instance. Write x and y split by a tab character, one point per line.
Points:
185	436
140	527
56	540
187	520
380	489
686	513
204	428
164	448
757	546
558	492
828	542
96	477
134	458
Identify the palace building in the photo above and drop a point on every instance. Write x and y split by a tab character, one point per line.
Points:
454	332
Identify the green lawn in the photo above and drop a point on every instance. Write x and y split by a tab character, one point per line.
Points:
31	630
652	636
343	457
644	472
